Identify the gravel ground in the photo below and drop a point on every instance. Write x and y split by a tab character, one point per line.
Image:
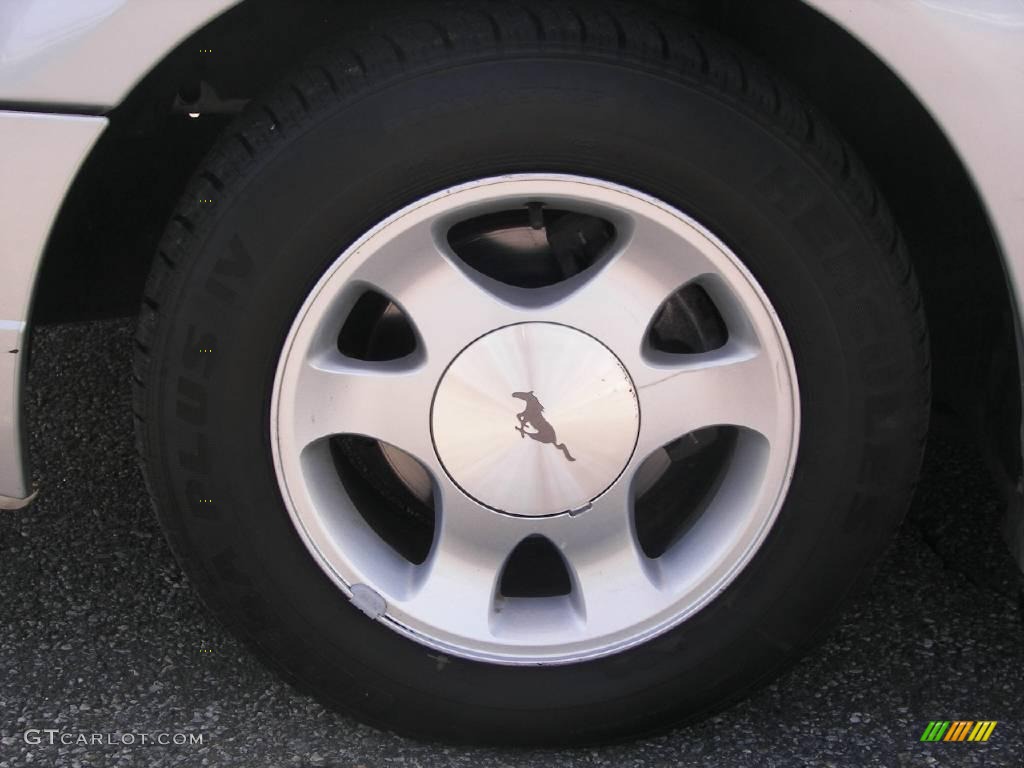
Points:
100	632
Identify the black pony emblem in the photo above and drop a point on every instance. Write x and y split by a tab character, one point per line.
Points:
533	417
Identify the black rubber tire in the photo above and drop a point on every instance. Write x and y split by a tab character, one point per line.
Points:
477	91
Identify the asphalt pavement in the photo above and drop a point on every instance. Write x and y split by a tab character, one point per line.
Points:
102	639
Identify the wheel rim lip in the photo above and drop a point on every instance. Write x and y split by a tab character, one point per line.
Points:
450	642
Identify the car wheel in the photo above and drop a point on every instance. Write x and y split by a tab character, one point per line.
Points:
530	376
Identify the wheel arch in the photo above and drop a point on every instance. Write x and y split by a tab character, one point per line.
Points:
95	262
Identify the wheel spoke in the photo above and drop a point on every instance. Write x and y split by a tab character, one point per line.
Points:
388	401
448	304
618	302
732	386
613	581
458	582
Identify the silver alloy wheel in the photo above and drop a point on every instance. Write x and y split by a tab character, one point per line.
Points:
580	348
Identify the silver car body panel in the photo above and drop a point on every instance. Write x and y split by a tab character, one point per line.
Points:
41	155
964	60
90	53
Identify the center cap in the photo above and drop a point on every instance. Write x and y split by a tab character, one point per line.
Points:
535	419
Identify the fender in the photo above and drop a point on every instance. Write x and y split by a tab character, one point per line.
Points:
85	56
35	178
963	60
79	57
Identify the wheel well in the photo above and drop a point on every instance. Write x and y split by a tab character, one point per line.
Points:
970	312
107	231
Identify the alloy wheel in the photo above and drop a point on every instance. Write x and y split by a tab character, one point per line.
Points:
582	478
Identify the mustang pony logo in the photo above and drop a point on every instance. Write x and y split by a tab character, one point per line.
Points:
533	416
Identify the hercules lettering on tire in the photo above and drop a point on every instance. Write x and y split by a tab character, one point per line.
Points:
613	235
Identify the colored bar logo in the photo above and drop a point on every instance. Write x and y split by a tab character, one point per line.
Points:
959	730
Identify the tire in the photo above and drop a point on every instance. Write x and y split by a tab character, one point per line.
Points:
650	104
